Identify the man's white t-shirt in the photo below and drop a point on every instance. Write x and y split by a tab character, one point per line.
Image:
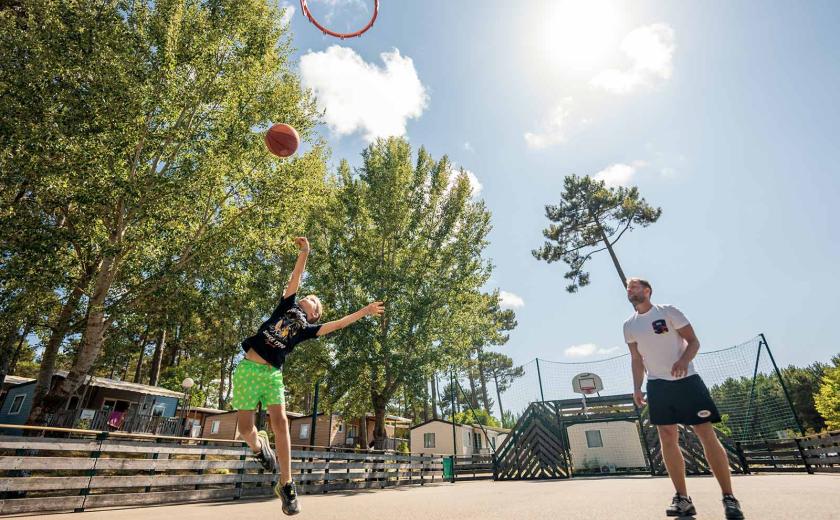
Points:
655	333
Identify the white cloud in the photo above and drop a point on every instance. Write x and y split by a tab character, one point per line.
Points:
555	127
508	300
650	50
468	147
288	13
618	174
588	349
363	97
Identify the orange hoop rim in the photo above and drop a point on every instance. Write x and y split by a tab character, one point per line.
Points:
305	8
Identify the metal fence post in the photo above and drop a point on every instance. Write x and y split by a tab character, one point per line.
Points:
743	457
539	378
808	467
92	472
784	386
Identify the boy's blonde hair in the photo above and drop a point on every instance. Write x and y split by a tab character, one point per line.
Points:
319	308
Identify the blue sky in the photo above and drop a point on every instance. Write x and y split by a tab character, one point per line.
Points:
720	112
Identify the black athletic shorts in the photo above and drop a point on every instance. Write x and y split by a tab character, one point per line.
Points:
684	401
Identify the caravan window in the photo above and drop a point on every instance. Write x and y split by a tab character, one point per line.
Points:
593	439
17	404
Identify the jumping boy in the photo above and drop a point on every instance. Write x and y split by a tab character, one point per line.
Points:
259	376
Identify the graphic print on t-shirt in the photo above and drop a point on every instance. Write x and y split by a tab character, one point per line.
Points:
289	324
660	326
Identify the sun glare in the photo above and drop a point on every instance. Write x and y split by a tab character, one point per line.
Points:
581	34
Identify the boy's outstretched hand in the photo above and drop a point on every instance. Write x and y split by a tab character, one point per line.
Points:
302	243
375	309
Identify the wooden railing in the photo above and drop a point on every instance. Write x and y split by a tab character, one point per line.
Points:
473	467
131	423
811	453
75	470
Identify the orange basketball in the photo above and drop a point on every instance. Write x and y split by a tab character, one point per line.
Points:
282	140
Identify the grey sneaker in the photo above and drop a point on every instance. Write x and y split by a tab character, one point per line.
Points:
681	506
288	494
266	456
732	508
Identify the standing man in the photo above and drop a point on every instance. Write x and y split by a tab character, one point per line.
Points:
663	344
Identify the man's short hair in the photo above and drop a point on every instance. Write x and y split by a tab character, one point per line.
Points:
642	282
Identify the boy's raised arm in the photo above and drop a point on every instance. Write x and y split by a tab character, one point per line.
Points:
300	267
373	309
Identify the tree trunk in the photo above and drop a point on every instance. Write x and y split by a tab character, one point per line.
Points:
379	432
94	333
8	353
482	378
16	357
230	379
222	375
617	265
473	397
425	401
125	369
138	371
173	348
154	373
434	397
45	372
499	398
363	436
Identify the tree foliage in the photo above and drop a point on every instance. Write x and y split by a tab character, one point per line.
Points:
591	217
828	399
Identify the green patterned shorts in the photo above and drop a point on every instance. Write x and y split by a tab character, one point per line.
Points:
254	382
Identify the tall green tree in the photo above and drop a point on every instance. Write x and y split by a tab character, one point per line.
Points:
803	384
408	232
500	369
591	218
134	146
828	399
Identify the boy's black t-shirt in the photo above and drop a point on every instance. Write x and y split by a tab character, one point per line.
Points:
279	334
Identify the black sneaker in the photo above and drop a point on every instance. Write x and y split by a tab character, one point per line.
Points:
266	456
732	508
681	506
288	495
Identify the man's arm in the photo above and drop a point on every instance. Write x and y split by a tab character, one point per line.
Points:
300	267
374	309
680	368
638	365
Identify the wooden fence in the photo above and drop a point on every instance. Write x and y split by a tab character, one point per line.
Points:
812	453
74	470
473	467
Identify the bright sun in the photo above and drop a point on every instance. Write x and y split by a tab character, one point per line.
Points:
580	34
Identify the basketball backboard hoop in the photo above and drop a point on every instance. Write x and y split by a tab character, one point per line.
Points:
587	383
304	6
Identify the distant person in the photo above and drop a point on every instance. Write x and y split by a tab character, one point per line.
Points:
663	344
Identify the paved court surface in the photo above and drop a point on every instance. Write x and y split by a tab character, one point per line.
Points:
764	497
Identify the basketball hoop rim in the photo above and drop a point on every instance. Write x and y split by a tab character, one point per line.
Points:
305	8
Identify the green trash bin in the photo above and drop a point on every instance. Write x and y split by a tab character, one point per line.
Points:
447	467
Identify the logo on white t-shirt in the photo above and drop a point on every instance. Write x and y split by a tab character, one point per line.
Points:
660	326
